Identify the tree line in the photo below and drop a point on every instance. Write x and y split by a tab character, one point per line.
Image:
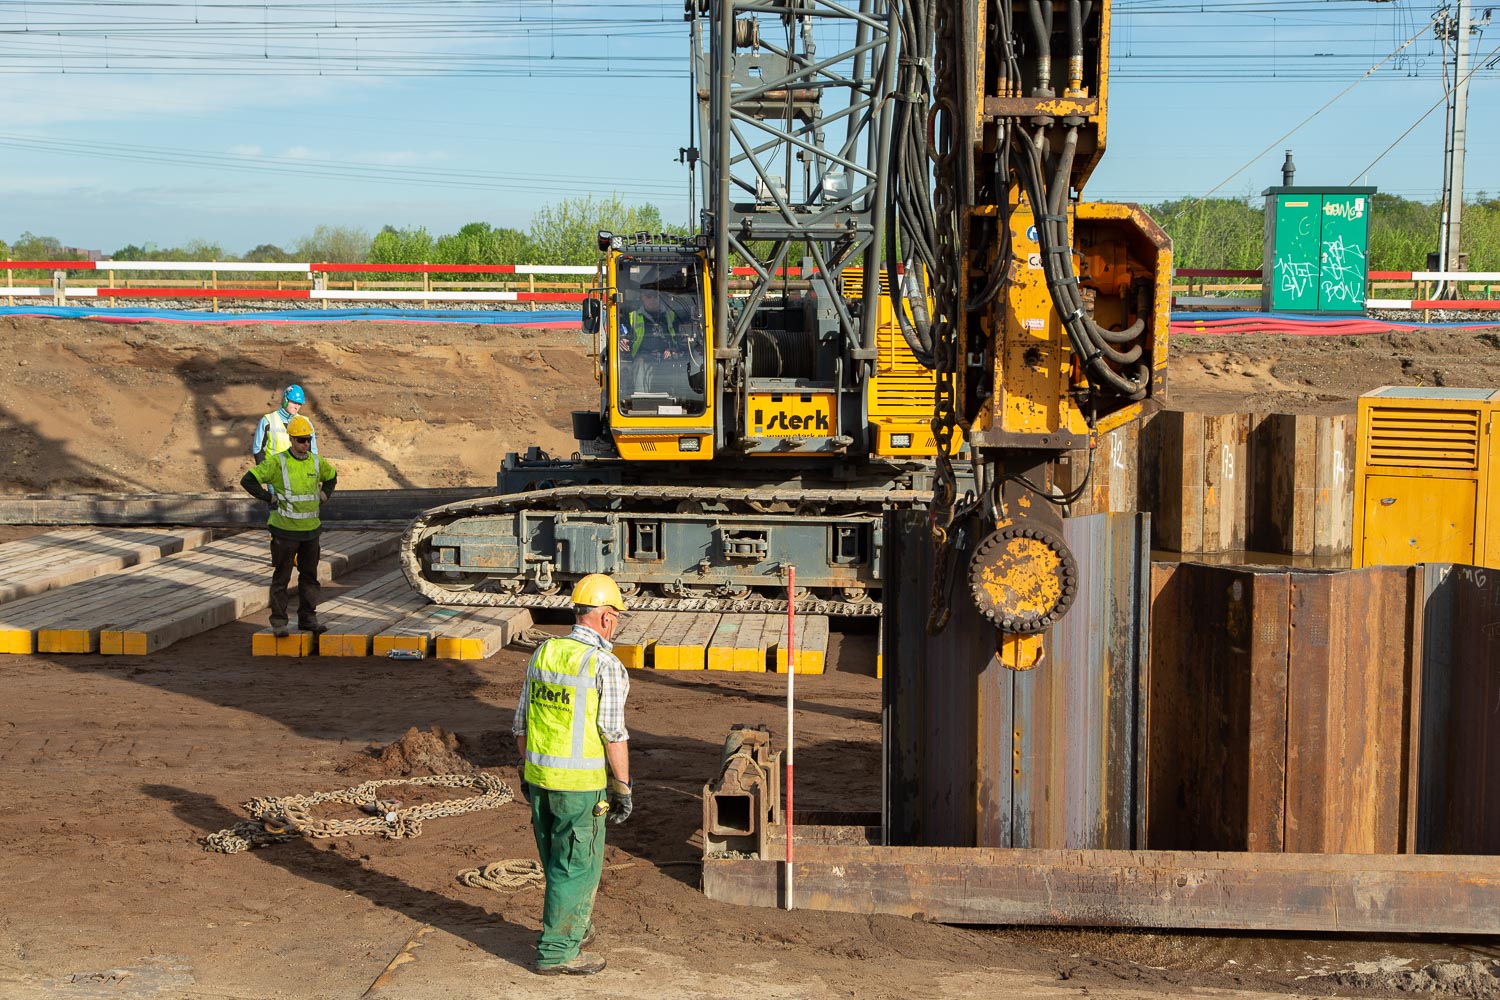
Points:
1214	233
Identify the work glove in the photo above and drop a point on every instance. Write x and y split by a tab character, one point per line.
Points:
526	791
619	800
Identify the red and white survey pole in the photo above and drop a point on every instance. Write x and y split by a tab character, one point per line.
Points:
791	674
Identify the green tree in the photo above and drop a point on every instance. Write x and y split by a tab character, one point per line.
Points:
400	246
1217	233
334	245
29	246
268	253
131	251
567	232
482	243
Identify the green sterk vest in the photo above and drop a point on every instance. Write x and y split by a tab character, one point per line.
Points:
297	495
564	751
638	326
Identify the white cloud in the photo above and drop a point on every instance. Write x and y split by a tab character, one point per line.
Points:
249	151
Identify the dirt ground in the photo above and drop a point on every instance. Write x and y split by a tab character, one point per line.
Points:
112	769
92	407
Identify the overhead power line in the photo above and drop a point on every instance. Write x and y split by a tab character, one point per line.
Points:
1413	127
1286	135
329	169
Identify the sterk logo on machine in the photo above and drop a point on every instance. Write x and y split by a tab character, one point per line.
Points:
790	422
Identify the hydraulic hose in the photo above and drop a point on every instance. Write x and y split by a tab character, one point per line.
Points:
1041	26
1057	268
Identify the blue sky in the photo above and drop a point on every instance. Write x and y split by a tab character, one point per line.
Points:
240	122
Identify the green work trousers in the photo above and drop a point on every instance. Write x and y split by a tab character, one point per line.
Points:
570	841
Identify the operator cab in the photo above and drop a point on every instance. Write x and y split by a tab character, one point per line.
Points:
660	337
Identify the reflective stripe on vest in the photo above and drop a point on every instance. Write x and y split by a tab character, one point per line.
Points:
564	751
668	324
276	435
297	511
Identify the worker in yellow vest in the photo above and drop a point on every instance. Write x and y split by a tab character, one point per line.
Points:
570	729
302	482
271	435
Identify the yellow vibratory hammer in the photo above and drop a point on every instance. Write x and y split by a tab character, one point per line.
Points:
1051	312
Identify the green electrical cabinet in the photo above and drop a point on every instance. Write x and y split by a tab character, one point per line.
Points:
1317	249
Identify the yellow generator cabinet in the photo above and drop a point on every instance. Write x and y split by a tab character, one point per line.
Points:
1427	487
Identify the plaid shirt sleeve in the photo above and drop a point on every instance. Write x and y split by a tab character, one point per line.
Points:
614	687
518	724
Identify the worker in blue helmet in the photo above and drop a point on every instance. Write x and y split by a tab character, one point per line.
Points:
271	437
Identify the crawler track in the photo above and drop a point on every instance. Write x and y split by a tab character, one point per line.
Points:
639	499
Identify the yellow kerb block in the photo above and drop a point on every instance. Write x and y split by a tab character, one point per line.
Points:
633	654
809	661
459	649
65	640
735	658
330	644
679	657
266	644
15	640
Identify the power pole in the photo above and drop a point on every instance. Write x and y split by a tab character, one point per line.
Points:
1450	254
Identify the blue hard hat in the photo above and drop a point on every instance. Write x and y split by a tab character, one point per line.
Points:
294	394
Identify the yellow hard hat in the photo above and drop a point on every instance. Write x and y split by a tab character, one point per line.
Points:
598	591
299	427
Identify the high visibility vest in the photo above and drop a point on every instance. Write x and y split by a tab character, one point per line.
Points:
277	439
638	325
564	751
297	496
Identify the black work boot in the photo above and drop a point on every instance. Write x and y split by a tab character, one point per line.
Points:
316	628
586	964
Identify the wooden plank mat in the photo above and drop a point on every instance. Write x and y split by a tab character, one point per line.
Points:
147	607
342	551
740	643
684	640
53	560
480	633
811	647
22	620
331	613
637	638
360	615
417	631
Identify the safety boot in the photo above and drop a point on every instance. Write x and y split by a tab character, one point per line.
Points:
585	964
316	628
280	631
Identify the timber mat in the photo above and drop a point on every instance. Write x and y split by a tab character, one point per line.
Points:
56	559
682	640
148	607
385	614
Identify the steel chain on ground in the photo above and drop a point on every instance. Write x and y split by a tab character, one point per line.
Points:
278	819
504	876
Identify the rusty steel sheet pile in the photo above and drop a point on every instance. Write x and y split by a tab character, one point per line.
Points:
1305	751
1458	738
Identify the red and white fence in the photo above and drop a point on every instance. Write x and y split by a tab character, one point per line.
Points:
316	275
1423	283
326	282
